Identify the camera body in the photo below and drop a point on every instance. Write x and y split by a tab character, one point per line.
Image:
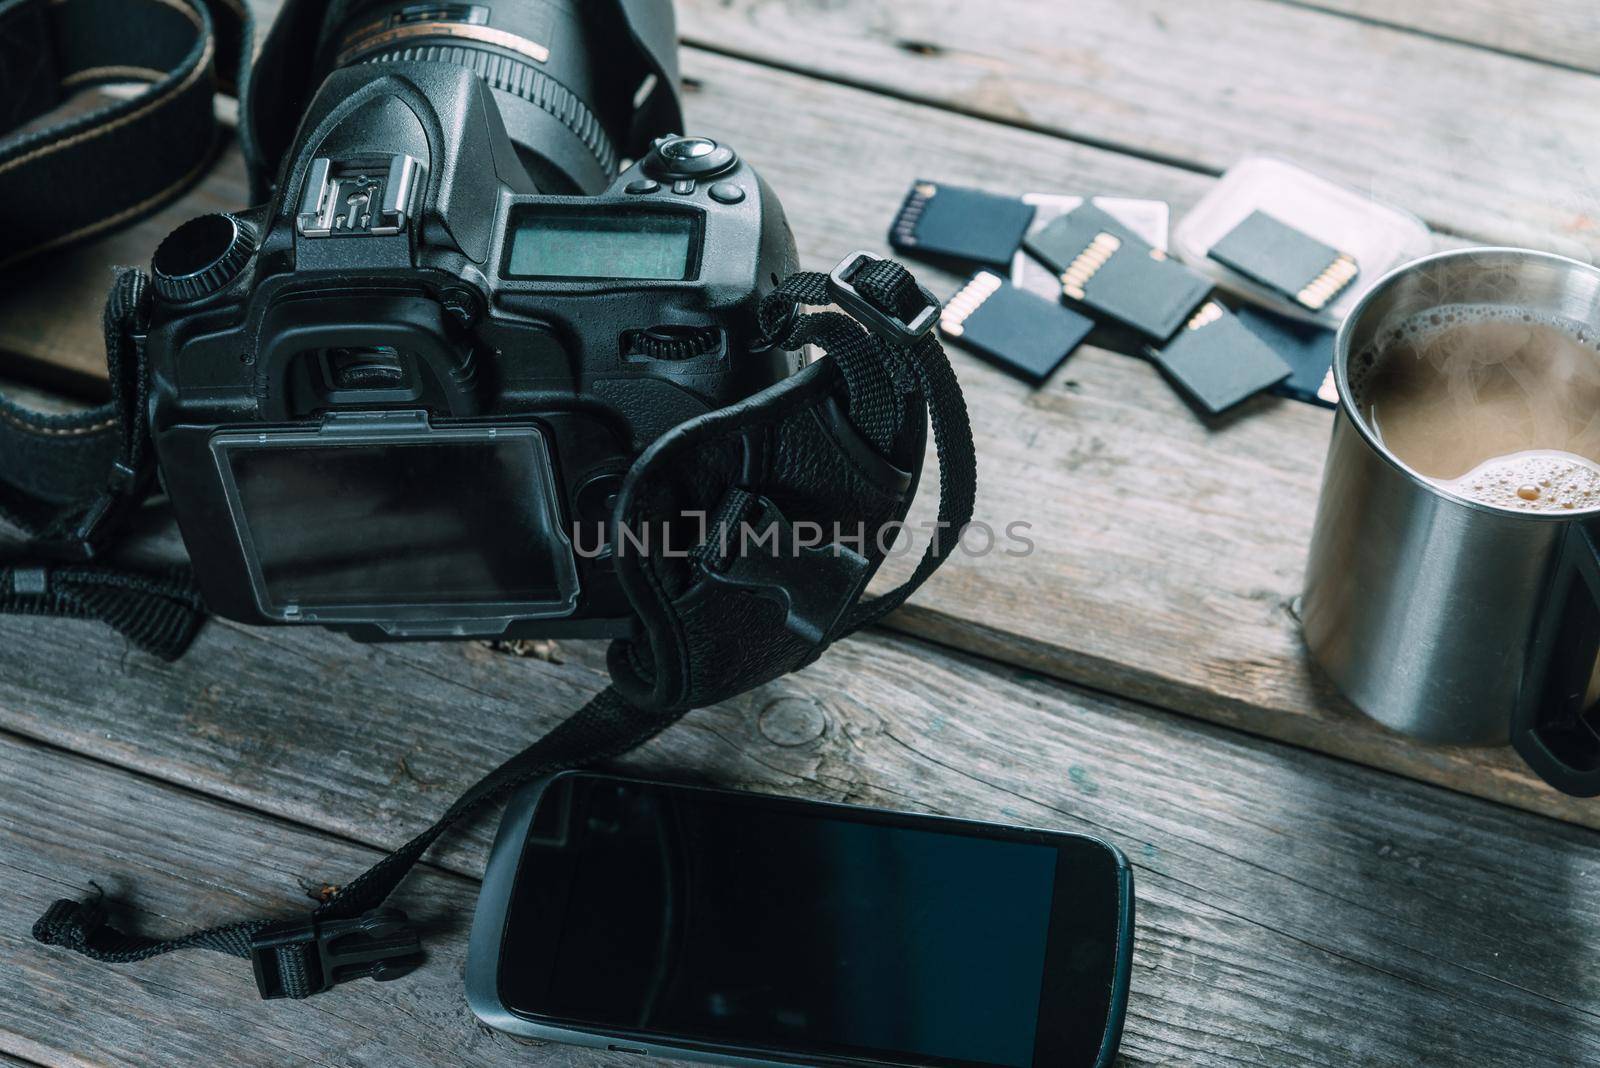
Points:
400	398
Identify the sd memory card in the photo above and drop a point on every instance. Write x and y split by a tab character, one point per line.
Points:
1305	347
1023	333
951	223
1216	362
1108	269
1146	218
1285	260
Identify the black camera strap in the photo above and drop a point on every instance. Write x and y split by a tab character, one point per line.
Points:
836	447
66	481
69	180
789	459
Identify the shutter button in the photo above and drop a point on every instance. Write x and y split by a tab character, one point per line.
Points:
687	148
688	157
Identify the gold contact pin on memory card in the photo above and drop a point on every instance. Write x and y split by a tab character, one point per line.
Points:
1209	312
969	299
1291	263
905	223
1090	260
954	225
1333	278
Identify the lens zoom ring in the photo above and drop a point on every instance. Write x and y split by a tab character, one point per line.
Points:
519	78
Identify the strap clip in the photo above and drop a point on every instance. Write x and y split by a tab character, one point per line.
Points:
30	581
119	496
296	959
895	331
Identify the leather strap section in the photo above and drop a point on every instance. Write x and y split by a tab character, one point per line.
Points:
744	607
835	451
66	181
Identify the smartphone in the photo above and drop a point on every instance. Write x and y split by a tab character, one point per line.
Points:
737	928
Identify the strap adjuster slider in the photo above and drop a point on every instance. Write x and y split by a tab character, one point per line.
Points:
842	288
296	959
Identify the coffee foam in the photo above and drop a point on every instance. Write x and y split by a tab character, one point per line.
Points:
1533	481
1458	386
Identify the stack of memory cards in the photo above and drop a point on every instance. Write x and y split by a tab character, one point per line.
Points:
958	228
1076	265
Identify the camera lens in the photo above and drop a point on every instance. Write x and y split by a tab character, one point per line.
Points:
550	64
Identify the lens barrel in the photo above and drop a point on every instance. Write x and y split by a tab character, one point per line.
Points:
555	68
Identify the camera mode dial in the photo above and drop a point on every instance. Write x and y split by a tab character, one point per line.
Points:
689	157
200	257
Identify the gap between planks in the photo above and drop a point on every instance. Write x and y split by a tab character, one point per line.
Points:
1333	885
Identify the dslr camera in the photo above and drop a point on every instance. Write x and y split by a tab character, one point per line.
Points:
399	398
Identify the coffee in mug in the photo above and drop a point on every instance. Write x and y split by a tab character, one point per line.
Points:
1496	404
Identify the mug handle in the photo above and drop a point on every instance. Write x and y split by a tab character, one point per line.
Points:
1556	725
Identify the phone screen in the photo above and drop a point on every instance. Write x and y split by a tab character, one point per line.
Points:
724	920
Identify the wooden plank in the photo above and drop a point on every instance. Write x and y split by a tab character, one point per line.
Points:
1283	896
171	858
1167	550
1550	31
1166	559
1484	145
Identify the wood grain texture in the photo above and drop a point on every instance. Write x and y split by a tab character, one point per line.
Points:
1166	550
1484	145
1551	31
170	859
1283	896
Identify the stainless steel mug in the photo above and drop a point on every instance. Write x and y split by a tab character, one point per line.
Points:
1443	618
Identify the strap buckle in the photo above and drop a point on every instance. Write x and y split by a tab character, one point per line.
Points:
896	331
816	584
296	959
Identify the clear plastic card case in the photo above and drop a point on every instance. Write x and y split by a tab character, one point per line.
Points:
1378	236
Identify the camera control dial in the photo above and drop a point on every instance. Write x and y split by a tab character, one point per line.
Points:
200	257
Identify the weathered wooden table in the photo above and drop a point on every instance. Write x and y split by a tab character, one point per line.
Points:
1313	890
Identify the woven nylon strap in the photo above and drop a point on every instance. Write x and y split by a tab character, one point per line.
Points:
874	372
67	181
605	727
293	959
66	481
